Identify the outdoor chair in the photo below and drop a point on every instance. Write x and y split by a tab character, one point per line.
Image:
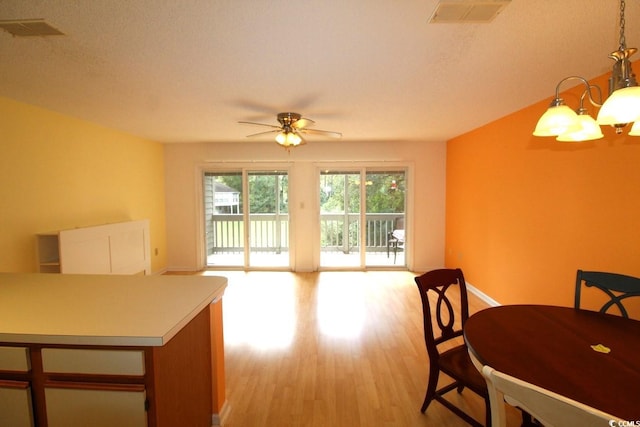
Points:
395	238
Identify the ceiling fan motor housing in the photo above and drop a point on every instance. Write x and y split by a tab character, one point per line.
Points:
287	119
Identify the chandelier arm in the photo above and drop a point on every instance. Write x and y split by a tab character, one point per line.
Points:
587	91
582	79
593	102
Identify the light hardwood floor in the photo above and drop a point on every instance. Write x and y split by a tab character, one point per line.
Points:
330	349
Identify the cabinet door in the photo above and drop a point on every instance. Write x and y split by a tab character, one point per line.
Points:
82	252
93	361
101	406
15	404
14	359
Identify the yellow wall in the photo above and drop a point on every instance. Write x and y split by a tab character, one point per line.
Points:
524	213
58	172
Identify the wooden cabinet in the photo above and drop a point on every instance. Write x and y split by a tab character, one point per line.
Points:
102	386
120	248
107	350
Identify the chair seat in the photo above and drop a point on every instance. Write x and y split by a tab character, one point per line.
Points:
398	235
456	363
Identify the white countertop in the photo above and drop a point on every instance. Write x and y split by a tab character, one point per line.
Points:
101	309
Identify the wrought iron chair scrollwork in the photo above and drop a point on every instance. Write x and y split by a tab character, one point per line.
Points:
617	287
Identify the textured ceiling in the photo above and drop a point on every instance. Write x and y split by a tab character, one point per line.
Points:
188	71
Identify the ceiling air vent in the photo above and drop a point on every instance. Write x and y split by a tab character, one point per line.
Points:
461	11
29	28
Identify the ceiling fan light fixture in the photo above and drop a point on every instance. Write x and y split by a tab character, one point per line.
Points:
292	126
288	139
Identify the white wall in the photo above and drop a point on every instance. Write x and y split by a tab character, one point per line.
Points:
426	184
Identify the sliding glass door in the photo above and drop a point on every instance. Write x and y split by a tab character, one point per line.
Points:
245	231
362	220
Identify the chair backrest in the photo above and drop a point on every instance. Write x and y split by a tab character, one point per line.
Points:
616	286
551	409
451	307
398	223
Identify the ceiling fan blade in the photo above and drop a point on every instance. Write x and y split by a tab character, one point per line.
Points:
330	133
259	124
302	123
263	133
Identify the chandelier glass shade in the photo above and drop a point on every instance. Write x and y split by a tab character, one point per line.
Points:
557	120
587	130
621	108
635	129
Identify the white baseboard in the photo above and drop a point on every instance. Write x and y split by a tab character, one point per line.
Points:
484	297
216	419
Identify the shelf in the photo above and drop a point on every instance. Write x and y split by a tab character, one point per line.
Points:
48	246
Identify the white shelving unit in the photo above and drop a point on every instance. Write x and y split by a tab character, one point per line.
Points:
119	248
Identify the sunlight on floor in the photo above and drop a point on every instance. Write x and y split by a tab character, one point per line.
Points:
340	309
262	317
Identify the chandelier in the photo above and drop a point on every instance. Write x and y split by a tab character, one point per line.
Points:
621	108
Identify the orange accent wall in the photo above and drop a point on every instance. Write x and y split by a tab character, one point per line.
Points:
524	213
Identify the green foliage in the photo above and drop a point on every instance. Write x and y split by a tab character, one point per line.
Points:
385	192
268	190
339	191
265	190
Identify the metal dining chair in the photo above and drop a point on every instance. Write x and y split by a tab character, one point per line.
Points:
548	408
617	288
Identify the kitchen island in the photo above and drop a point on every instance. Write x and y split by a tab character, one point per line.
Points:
106	350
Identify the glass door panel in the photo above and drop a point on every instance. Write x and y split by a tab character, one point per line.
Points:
385	214
340	219
268	219
224	219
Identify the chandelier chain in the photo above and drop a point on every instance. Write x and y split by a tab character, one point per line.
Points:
623	42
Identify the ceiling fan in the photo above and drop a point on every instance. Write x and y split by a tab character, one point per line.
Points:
292	126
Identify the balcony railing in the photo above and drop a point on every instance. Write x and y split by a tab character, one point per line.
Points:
270	232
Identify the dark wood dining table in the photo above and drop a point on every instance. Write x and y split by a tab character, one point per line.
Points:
564	350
